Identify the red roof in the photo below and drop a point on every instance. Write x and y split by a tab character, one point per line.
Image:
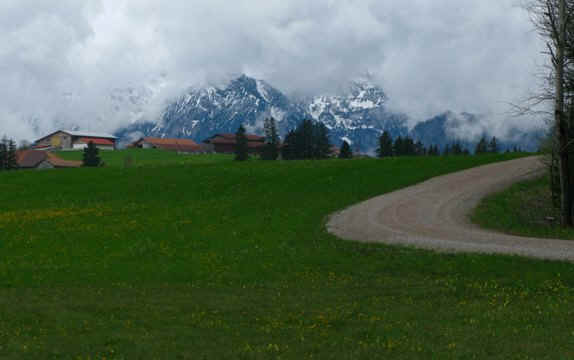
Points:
169	144
29	159
228	138
249	137
41	146
61	163
96	141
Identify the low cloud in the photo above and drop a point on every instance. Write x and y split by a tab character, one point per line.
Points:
100	64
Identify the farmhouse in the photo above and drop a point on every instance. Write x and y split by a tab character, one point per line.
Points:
225	143
38	159
179	145
75	140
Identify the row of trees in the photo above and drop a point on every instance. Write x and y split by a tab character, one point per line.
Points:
406	146
8	154
310	140
485	146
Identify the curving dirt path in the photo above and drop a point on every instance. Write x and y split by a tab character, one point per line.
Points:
434	215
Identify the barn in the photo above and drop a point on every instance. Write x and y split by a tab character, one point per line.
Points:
225	143
75	140
179	145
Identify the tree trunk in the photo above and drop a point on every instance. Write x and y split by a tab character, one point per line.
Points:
561	126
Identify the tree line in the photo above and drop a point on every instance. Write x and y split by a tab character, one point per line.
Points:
406	146
310	140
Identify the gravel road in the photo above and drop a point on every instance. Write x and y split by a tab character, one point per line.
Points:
434	215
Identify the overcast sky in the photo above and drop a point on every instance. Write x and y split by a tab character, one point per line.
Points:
61	60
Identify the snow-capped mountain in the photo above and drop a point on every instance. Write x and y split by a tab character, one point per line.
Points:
357	115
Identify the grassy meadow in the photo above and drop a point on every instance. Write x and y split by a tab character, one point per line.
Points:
523	209
148	157
211	259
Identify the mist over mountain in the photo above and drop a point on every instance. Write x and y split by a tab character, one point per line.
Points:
358	114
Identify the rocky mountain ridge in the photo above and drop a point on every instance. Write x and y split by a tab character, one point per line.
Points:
358	115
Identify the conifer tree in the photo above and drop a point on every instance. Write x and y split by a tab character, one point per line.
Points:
321	141
91	156
288	151
271	149
11	162
493	146
385	145
241	145
446	150
456	148
481	147
420	148
3	154
346	152
310	140
398	147
409	147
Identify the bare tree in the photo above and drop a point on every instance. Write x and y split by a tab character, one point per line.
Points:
553	21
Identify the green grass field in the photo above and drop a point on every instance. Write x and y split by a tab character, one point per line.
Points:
148	157
225	260
523	209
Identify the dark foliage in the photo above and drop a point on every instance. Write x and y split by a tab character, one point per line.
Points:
91	156
8	154
241	147
271	149
493	145
310	140
345	152
481	147
385	145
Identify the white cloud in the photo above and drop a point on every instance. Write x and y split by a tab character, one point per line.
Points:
61	61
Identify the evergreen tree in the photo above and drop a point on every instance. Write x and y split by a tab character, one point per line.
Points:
398	146
3	154
271	149
456	148
385	145
321	141
420	149
446	150
493	146
11	162
310	140
288	151
91	156
481	147
241	145
409	147
346	152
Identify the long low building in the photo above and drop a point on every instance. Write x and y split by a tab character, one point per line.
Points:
179	145
226	143
75	140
